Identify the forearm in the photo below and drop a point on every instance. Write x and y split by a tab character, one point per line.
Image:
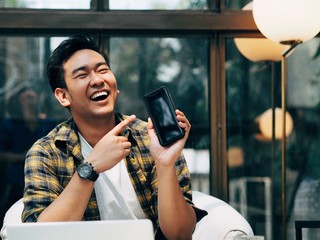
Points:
177	218
71	204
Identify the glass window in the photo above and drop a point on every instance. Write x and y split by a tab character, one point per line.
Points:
303	100
24	67
144	64
158	4
254	160
46	4
249	155
28	109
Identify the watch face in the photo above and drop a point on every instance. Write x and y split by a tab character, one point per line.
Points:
84	170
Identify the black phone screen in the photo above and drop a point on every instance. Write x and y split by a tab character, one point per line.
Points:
162	113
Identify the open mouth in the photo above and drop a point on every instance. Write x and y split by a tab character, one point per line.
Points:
99	96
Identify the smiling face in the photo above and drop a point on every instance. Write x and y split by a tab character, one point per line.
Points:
91	86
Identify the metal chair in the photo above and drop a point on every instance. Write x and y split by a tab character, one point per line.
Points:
299	225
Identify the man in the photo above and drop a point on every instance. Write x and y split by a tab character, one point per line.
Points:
100	164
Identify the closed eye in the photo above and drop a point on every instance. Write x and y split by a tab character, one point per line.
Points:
81	75
103	70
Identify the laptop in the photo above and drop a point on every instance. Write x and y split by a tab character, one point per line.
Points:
141	229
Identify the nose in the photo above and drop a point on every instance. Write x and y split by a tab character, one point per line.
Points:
96	80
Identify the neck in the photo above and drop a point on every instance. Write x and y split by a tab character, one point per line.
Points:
94	130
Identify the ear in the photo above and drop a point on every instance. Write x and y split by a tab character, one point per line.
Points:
62	96
117	94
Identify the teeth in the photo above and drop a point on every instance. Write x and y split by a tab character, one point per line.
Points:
99	94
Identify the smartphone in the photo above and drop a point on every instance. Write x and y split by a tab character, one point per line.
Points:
162	113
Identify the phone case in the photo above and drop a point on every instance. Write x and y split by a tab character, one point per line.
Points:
162	113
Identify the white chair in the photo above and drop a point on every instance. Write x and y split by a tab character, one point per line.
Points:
13	216
223	222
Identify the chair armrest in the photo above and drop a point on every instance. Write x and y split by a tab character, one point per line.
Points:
12	216
222	221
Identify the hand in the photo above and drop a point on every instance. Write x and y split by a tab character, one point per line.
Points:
167	156
111	149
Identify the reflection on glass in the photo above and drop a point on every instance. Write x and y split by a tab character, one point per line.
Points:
158	4
254	164
23	64
46	4
28	109
144	64
250	162
303	148
19	129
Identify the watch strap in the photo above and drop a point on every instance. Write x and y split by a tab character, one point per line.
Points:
94	175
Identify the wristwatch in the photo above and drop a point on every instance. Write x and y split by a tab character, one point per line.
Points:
85	171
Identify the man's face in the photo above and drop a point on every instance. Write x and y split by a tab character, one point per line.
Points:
91	86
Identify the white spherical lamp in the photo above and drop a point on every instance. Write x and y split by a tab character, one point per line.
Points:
265	123
259	49
287	21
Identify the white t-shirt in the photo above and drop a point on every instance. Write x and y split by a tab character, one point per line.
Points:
115	194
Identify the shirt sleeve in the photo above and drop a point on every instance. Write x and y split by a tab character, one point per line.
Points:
41	182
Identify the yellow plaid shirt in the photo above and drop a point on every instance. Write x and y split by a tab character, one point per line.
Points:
53	159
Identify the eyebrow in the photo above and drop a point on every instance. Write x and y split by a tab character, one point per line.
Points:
83	68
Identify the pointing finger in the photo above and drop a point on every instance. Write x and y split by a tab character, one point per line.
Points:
118	128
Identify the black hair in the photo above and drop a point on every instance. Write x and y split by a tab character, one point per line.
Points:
63	52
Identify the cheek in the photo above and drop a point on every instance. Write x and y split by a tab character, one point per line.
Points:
112	79
79	89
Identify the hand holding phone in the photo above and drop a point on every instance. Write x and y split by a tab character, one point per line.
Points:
162	113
